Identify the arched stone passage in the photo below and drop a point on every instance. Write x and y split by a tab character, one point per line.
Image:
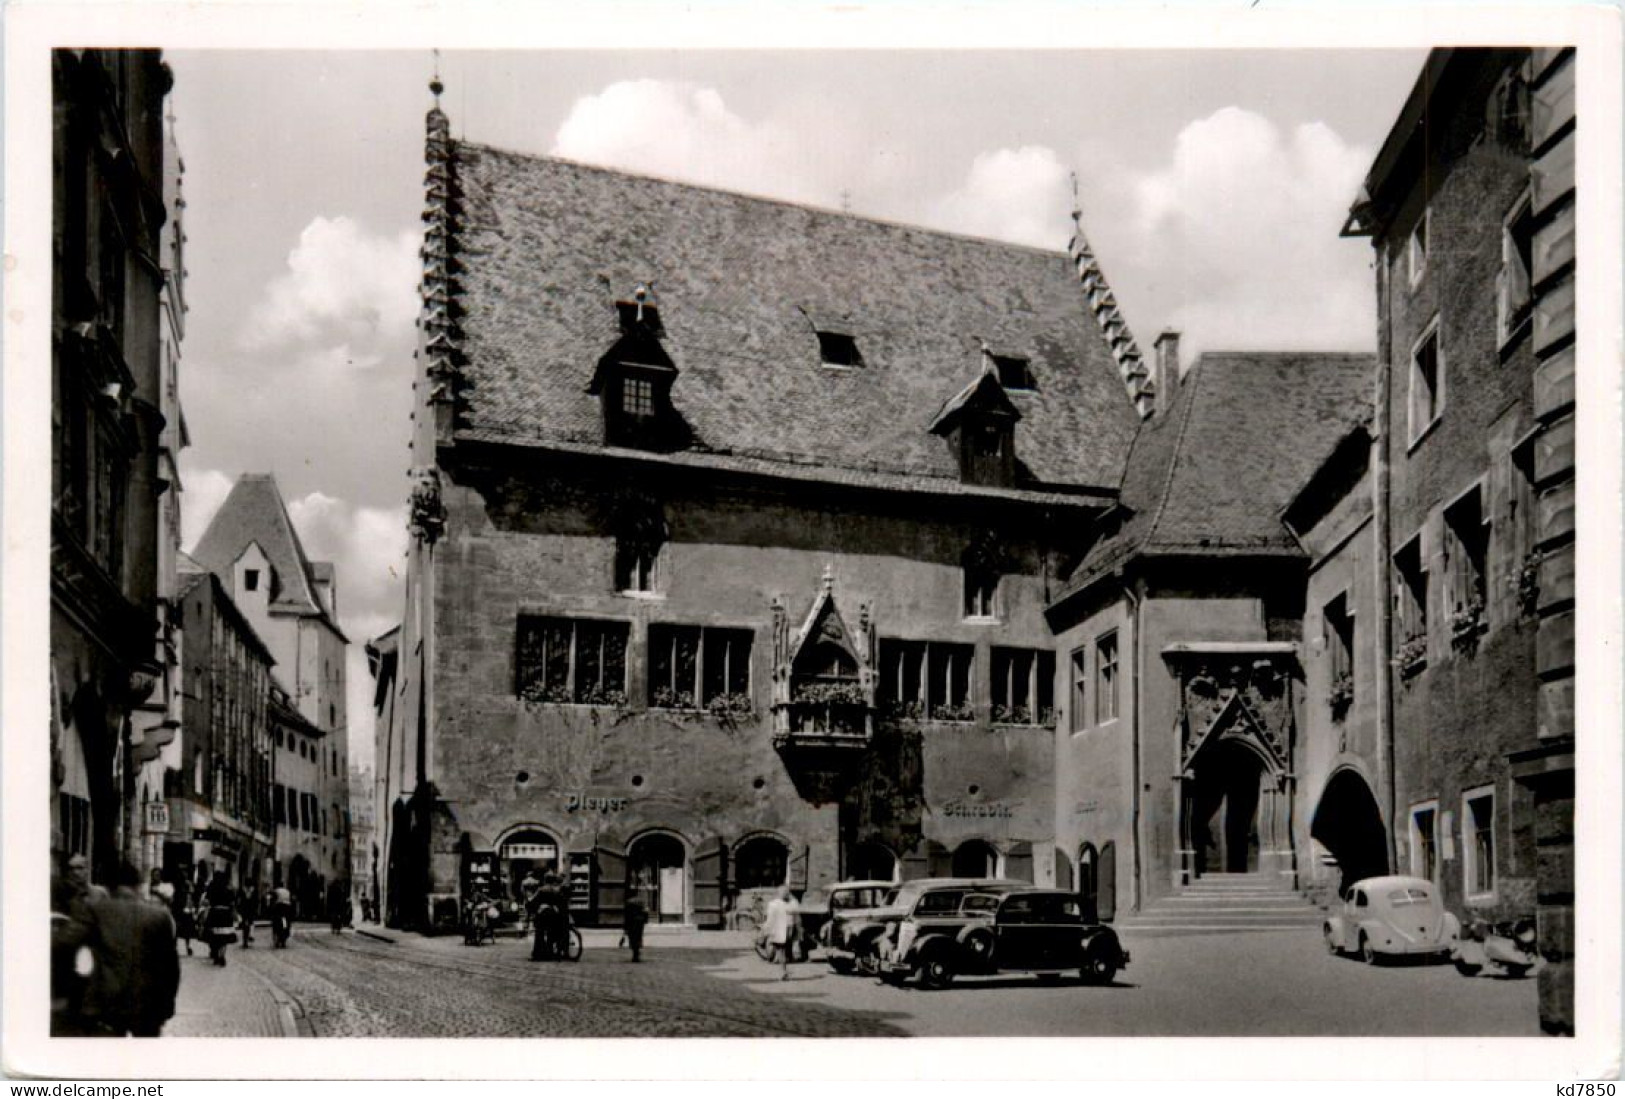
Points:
1224	809
975	859
1348	824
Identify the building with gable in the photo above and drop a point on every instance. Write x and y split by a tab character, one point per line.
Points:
1178	630
292	603
732	540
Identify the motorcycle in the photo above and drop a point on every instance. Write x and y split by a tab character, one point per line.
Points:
1506	948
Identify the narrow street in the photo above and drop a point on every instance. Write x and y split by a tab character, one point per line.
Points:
1275	983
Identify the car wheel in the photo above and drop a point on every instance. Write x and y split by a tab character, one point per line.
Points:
840	965
1331	941
938	970
1099	969
978	947
869	963
1368	953
1517	970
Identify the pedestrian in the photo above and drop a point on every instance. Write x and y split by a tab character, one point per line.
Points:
220	917
636	916
180	910
281	916
548	918
136	971
338	906
248	903
779	927
71	963
527	893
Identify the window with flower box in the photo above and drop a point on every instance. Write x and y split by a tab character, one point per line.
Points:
1338	632
579	660
1022	688
925	680
696	667
1467	539
1410	607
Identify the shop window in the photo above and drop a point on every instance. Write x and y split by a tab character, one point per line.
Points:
693	667
838	349
577	660
1416	248
1467	539
925	680
1410	604
73	820
1022	688
1080	681
975	859
1512	298
1425	841
1478	842
761	863
1106	678
1427	383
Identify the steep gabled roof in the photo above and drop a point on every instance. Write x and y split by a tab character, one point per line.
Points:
253	512
984	392
1243	432
546	247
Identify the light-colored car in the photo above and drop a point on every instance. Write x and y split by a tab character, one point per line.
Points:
848	907
1391	916
865	931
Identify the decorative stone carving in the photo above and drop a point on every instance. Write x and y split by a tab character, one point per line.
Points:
1236	696
426	513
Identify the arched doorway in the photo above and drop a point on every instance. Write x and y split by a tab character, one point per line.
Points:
761	862
871	862
522	851
1089	881
975	859
1224	809
657	874
1348	824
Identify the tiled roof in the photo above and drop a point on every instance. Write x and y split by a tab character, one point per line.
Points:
254	512
546	247
1211	474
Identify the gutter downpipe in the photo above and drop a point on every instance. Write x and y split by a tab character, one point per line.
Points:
1134	734
1385	581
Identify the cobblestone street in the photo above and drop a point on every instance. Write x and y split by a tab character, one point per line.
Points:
1269	983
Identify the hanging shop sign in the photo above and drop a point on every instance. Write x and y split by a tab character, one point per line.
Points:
157	817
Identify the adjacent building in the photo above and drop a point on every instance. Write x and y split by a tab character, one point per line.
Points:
292	602
113	421
1470	209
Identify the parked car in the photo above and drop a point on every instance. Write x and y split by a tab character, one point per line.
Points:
843	907
956	931
1392	916
864	931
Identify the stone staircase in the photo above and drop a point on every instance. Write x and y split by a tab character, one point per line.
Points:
1225	904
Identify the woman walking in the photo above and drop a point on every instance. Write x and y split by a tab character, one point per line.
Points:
180	907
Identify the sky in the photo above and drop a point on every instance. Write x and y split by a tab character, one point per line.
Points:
1212	185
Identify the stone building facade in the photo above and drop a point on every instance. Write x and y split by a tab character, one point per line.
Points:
1470	210
732	548
107	426
304	855
292	602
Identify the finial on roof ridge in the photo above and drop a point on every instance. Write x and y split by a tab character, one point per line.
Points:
435	85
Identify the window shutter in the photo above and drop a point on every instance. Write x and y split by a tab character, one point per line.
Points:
710	880
1018	861
611	886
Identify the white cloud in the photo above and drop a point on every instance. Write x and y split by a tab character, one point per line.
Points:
367	545
1234	239
202	493
684	131
1020	195
343	286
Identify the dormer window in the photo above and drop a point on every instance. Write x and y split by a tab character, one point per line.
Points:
634	378
838	349
1014	372
979	423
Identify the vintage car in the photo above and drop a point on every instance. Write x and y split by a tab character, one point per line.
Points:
863	932
844	907
1391	916
954	931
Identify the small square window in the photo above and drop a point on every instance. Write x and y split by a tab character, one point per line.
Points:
251	579
838	349
981	586
1014	373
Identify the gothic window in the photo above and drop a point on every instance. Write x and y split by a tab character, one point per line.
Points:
572	660
1023	686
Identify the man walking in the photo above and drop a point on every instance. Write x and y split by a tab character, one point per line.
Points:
636	916
780	928
549	919
137	972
